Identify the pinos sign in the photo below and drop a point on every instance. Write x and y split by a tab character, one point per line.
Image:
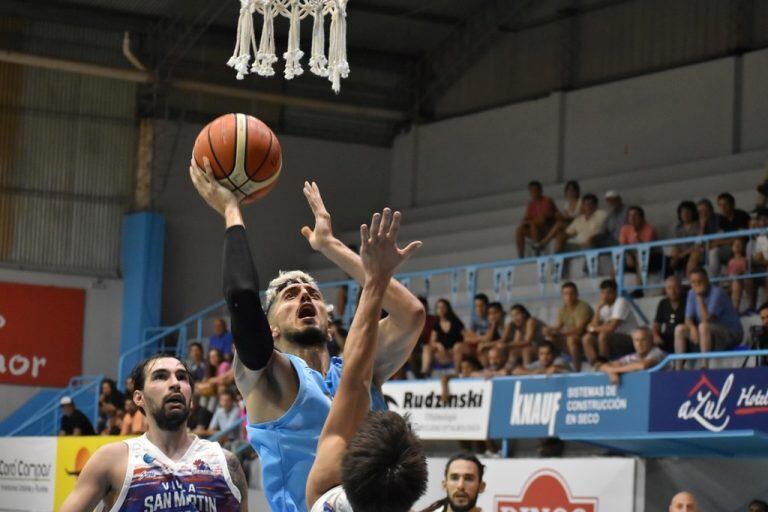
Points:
545	491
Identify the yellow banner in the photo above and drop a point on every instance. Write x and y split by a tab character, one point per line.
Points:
71	455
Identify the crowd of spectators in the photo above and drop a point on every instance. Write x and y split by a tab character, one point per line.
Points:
216	404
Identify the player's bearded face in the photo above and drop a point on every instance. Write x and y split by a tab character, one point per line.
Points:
301	315
462	485
167	394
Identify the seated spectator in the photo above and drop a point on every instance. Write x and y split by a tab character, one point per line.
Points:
683	502
538	220
110	402
710	319
414	361
73	421
338	338
646	355
546	364
608	335
221	339
469	367
709	221
217	369
497	363
196	361
227	415
670	312
449	331
528	333
477	331
585	230
760	256
134	422
686	257
572	321
757	506
493	333
731	219
617	217
636	231
738	266
199	417
571	210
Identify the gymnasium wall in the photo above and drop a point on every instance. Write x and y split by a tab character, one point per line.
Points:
696	112
354	180
101	327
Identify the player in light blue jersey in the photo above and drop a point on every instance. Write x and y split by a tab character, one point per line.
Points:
282	367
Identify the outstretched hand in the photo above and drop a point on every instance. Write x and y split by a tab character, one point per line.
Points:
378	246
217	197
320	236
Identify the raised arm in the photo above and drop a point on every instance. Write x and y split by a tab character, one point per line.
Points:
93	483
380	257
264	377
399	332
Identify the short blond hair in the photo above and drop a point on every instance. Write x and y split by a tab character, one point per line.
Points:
283	279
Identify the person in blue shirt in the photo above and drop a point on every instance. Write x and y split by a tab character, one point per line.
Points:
282	366
711	321
221	339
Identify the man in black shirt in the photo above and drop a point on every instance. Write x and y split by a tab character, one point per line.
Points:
669	314
73	422
731	219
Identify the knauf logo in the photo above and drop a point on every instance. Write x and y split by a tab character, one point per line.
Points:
535	409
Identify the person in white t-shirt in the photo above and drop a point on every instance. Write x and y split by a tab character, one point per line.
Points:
646	355
608	335
585	230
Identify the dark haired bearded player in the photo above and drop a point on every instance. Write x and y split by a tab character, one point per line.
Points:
282	367
166	468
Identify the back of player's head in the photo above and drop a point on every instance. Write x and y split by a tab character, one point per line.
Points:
384	468
284	279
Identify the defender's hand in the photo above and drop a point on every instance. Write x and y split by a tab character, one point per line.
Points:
378	246
217	197
322	234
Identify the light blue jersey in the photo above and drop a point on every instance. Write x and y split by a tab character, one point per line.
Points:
287	445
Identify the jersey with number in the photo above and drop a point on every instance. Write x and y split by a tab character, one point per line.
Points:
198	482
287	445
335	500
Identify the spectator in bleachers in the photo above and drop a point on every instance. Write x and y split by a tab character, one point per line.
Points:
497	363
711	321
646	355
522	335
477	331
221	339
338	337
468	367
545	364
110	402
670	312
196	362
637	230
683	502
134	422
571	209
709	221
760	255
572	321
617	217
227	415
686	257
449	330
217	368
731	219
493	333
73	421
609	332
757	506
585	230
738	266
538	219
199	417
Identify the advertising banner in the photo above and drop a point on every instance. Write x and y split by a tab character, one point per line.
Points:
568	405
710	400
463	416
554	485
35	350
27	473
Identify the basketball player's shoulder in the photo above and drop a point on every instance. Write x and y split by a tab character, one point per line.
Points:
334	500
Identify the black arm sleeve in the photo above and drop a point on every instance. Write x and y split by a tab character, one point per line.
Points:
250	328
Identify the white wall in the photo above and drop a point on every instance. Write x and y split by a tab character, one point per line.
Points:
101	327
354	180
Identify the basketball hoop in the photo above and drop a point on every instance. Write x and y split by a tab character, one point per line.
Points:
334	67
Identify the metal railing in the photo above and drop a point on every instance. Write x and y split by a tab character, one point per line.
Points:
84	392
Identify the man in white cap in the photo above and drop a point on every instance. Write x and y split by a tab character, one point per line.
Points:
617	216
73	421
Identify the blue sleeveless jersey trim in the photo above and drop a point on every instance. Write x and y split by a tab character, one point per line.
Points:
333	377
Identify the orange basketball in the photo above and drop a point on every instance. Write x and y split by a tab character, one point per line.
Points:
244	154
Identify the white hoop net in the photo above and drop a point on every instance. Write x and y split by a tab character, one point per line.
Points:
334	66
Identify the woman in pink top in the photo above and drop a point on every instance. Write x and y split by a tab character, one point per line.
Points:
637	231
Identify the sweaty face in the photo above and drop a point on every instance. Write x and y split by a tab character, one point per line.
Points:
299	313
462	485
546	357
167	393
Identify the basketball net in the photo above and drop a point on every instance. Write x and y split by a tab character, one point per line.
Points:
334	67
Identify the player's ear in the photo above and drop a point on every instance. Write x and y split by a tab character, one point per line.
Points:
138	399
481	488
275	332
445	488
